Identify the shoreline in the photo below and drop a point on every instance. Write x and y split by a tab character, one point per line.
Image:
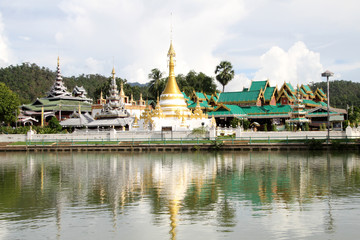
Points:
218	145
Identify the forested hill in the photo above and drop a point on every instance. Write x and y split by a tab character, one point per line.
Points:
342	93
30	81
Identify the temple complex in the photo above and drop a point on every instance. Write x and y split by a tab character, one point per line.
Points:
175	111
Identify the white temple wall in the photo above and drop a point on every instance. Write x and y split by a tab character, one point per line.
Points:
142	134
177	125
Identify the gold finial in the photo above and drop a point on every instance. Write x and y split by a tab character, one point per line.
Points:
171	52
101	96
58	61
113	72
141	97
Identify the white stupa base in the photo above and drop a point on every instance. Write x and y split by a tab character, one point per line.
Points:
177	124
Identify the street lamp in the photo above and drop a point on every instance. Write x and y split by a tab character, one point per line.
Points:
328	74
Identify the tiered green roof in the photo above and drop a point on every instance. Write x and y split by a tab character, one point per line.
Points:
290	87
203	104
236	97
268	109
185	96
200	95
257	85
228	110
56	105
322	92
268	93
307	88
277	109
190	102
311	102
215	98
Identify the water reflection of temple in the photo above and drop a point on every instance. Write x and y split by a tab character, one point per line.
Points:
174	185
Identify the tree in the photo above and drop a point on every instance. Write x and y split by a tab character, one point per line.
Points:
156	82
9	105
224	73
55	124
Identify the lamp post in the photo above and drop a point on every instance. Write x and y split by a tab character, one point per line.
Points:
328	74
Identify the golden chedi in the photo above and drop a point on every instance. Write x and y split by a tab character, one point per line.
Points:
171	112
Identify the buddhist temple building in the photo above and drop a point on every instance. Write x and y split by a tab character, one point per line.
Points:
133	107
59	102
268	105
113	113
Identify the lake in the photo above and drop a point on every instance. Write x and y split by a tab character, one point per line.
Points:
195	195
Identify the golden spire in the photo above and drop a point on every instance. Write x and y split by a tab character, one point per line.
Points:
157	111
58	61
171	85
213	121
113	72
122	94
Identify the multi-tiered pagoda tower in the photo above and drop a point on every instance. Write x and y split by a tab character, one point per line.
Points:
113	113
58	89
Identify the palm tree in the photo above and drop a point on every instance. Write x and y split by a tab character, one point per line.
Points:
155	83
224	73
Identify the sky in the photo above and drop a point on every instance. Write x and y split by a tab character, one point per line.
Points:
280	40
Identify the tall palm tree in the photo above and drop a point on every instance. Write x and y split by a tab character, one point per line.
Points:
224	73
155	84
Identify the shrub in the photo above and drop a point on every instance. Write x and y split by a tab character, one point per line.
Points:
306	127
246	124
235	122
199	131
55	124
287	127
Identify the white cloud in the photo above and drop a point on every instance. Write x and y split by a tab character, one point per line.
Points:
237	84
5	52
137	33
93	66
25	38
298	65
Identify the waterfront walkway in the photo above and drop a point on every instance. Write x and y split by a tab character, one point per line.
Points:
144	141
174	146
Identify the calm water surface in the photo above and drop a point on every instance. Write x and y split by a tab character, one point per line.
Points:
179	196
